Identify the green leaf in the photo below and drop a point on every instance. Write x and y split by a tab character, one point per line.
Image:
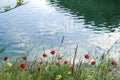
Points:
2	50
7	8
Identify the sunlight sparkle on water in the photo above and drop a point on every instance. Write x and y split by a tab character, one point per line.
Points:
43	5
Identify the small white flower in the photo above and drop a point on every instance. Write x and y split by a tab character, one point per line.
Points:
69	73
9	64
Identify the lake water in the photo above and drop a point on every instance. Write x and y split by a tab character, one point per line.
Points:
42	23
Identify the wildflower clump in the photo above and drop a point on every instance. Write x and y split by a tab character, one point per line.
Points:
53	66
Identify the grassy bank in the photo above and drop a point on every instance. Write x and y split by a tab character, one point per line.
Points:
58	68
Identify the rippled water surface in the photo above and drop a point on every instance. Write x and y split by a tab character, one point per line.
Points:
43	23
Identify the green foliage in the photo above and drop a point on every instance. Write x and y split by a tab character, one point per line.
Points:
7	8
58	77
2	50
19	3
49	68
51	71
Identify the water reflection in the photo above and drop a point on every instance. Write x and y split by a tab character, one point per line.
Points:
38	23
98	13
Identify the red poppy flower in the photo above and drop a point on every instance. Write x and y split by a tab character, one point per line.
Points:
40	62
71	67
5	58
113	63
38	68
93	62
65	62
24	58
59	58
57	64
52	52
44	55
22	66
86	56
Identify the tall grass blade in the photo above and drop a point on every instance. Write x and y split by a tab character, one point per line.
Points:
74	58
62	40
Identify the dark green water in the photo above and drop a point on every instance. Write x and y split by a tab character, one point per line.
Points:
98	13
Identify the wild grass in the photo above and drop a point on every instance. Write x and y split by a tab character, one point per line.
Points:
59	68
